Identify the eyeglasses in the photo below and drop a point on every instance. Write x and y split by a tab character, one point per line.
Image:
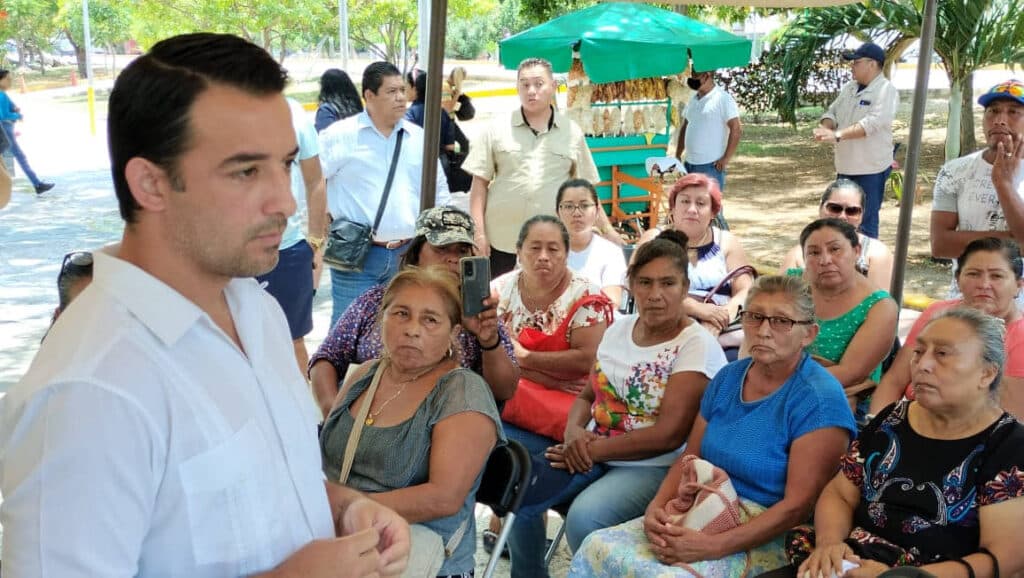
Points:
836	208
75	263
781	324
573	207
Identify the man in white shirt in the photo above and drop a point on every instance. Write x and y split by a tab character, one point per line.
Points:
710	128
163	429
356	156
859	124
982	194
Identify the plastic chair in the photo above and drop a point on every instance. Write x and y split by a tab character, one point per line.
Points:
504	483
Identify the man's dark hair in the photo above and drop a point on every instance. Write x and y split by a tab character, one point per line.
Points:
152	99
374	74
3	73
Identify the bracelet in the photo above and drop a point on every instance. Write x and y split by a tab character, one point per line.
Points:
970	569
995	562
497	342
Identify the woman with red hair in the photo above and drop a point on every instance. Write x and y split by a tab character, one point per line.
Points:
693	202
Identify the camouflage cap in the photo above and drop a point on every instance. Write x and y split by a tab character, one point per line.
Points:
446	226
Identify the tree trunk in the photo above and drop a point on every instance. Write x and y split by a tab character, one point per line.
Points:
284	49
956	91
967	141
42	61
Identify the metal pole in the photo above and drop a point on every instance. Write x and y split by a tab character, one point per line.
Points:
924	63
90	92
343	33
432	113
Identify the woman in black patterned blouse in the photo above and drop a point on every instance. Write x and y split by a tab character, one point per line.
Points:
937	482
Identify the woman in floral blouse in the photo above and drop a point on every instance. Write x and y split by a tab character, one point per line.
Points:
654	363
937	482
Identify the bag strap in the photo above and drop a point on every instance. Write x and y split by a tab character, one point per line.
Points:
738	271
599	299
357	426
387	183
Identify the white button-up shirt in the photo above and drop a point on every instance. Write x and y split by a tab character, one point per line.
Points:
143	442
356	157
873	108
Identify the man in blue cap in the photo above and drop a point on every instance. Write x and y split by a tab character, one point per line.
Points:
982	194
859	124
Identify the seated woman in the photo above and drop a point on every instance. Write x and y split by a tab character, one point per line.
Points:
590	254
844	200
427	424
652	364
695	199
857	319
937	482
776	422
443	236
556	318
338	99
989	277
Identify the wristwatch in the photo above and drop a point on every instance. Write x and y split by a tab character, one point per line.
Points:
838	138
316	243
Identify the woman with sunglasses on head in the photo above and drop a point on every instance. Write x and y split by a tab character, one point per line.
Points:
844	200
775	422
590	254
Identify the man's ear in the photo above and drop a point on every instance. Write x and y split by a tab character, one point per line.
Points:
148	182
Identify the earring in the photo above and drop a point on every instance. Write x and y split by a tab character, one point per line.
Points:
451	350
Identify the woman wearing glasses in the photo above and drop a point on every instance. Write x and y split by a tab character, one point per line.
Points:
844	200
776	422
590	255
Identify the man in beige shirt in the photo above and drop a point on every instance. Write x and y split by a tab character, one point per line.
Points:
519	163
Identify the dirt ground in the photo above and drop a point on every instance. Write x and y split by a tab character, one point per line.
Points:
775	182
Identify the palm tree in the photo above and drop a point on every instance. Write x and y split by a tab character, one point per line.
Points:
969	35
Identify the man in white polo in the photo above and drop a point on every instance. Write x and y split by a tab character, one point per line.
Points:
859	124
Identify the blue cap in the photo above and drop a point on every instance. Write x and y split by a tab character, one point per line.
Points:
867	50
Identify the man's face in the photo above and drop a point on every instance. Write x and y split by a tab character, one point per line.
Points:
864	70
536	88
235	197
1003	121
387	106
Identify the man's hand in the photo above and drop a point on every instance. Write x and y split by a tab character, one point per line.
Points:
394	543
484	326
1009	156
721	164
824	134
353	556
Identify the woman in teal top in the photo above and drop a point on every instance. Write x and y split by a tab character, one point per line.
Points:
858	321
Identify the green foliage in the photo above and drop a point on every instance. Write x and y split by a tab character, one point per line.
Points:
31	24
970	34
468	39
384	27
759	87
109	21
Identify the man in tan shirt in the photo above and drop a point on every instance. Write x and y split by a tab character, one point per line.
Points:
519	163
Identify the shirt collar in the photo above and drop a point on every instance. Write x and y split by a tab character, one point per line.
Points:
363	120
165	312
554	120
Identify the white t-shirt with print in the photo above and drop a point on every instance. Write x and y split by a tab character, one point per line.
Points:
638	375
602	262
964	186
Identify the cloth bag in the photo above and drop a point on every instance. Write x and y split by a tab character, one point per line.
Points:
348	242
535	407
705	501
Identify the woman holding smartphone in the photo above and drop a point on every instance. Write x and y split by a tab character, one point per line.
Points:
444	235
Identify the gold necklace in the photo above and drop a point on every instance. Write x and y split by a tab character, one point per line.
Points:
374	414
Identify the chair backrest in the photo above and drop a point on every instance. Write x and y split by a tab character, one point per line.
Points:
505	479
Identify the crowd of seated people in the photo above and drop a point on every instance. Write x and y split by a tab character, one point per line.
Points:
830	472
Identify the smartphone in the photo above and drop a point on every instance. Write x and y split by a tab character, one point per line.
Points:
476	284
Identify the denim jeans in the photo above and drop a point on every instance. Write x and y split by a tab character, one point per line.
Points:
710	170
603	497
19	154
874	191
380	266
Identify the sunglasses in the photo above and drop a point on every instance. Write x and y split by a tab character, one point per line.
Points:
1015	89
836	208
